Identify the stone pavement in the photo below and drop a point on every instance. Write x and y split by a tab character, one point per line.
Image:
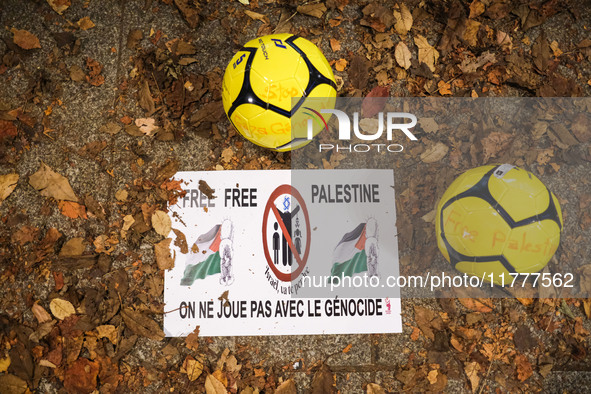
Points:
76	121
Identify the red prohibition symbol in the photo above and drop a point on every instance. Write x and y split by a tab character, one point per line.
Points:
271	210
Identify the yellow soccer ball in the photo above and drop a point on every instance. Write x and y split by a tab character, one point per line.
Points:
498	220
260	82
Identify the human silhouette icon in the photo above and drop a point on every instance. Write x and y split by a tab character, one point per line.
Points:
286	255
276	244
298	240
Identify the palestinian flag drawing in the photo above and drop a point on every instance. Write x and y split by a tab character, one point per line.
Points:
350	256
206	260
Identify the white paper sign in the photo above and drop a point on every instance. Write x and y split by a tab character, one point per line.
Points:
269	238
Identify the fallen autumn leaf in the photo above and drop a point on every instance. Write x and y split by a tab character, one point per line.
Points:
25	39
161	223
52	184
61	308
7	185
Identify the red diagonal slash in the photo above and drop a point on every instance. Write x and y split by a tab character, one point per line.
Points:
286	235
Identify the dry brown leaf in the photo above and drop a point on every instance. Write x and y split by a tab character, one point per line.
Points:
94	77
25	39
544	156
287	387
25	234
561	135
430	216
85	23
284	25
164	258
483	305
335	45
581	127
7	185
340	65
59	6
185	48
73	247
403	20
211	112
555	49
103	244
214	386
374	102
470	65
429	125
524	368
373	388
402	55
111	128
128	221
428	320
190	11
525	301
323	381
495	143
76	74
146	126
181	241
434	153
221	375
359	72
141	324
432	376
316	10
192	340
545	369
587	307
416	333
256	16
540	51
476	9
51	237
61	308
73	210
444	88
52	184
161	223
471	32
146	101
471	370
4	364
504	40
40	313
8	129
192	367
427	54
456	343
108	331
12	384
81	376
232	365
227	154
133	38
121	195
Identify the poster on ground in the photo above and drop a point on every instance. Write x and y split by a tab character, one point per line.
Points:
261	253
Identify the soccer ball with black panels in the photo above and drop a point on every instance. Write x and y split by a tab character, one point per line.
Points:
498	220
260	82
